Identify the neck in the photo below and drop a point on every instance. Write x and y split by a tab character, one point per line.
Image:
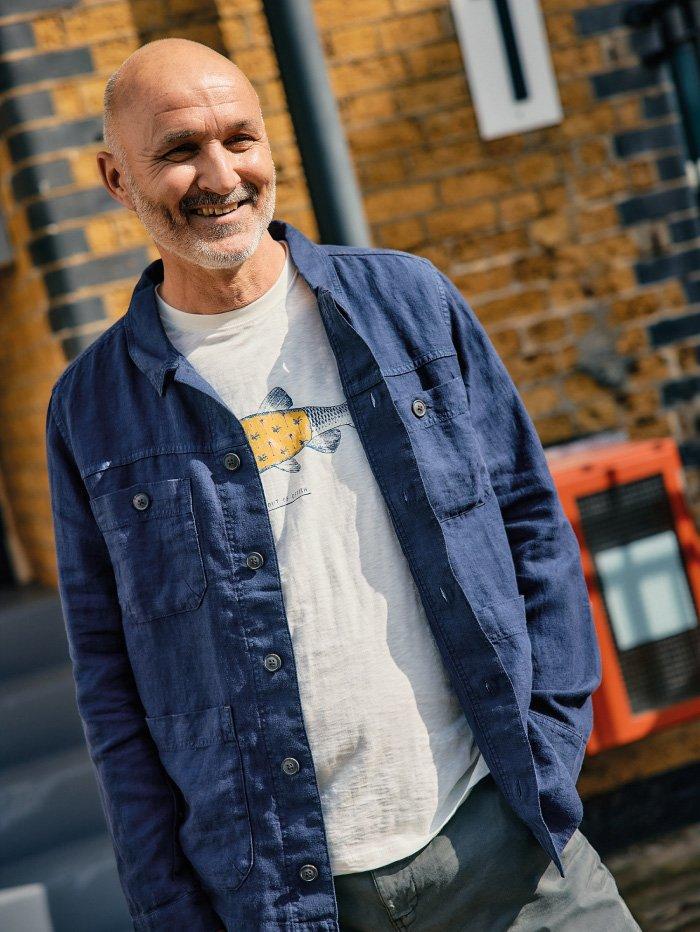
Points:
208	291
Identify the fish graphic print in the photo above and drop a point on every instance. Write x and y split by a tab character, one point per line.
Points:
279	432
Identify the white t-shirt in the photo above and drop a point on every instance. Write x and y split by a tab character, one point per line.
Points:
393	752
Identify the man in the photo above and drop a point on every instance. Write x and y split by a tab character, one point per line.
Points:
331	640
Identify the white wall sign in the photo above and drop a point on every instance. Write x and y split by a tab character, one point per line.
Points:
506	54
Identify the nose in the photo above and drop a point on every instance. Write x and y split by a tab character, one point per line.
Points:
216	171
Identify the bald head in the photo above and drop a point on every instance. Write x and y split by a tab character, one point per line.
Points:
153	66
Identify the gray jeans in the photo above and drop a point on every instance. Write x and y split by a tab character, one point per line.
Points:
483	872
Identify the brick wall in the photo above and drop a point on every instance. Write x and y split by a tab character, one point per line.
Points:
578	244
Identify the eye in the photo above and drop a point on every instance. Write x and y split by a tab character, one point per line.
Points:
241	137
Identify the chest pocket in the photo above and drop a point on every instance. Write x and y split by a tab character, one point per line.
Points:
444	442
152	538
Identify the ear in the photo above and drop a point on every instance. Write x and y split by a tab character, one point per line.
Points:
112	175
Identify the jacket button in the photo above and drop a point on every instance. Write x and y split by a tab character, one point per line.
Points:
308	872
232	461
487	686
140	501
254	560
290	765
419	407
273	662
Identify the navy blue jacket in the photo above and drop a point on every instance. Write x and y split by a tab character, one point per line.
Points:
170	624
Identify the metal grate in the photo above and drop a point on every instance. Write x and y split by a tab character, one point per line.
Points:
659	672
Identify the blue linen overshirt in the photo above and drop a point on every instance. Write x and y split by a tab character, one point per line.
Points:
171	624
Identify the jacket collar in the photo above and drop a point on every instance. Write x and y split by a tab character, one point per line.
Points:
147	342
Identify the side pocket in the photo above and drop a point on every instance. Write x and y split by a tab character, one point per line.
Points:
201	755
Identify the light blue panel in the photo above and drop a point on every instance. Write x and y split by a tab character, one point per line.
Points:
646	590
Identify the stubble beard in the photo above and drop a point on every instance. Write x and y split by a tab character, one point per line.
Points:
182	240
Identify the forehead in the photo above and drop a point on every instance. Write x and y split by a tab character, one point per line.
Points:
206	104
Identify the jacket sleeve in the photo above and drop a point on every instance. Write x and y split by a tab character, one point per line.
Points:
565	653
136	797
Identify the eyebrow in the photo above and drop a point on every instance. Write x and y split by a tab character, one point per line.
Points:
180	134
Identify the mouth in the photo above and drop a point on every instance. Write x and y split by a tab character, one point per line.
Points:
219	214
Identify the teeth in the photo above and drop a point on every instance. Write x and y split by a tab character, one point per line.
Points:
215	211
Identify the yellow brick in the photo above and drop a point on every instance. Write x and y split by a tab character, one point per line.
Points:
382	137
331	13
376	105
519	207
259	63
384	171
426	162
49	33
541	400
353	42
366	75
537	167
561	30
513	306
400	32
395	202
551	229
101	235
89	24
432	59
108	56
456	220
402	234
479	183
453	122
68	102
432	94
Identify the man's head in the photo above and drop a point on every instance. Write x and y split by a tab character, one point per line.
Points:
185	131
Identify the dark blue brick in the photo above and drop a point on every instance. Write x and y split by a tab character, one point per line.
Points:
692	291
29	70
14	7
128	264
599	19
659	204
659	105
689	451
623	80
683	230
674	329
16	36
73	346
52	138
684	389
670	166
25	107
55	246
75	313
646	140
69	207
654	270
37	179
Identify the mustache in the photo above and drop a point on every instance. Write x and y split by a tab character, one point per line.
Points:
248	192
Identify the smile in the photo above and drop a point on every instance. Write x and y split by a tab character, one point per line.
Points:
217	211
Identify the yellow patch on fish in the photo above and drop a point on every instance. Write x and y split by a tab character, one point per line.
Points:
276	435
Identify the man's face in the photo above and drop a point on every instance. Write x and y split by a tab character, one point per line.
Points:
220	158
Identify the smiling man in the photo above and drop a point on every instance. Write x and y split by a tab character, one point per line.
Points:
331	639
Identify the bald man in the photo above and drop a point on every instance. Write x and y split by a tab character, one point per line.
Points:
303	715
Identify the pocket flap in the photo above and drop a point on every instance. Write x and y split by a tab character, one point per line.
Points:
502	619
167	497
197	729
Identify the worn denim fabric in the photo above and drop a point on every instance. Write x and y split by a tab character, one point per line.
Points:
169	626
485	872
